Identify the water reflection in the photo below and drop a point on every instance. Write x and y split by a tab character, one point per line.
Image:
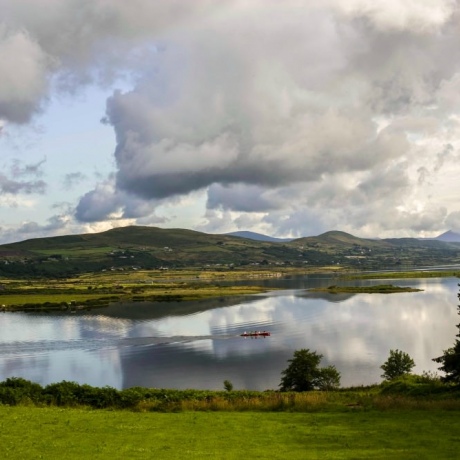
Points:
197	344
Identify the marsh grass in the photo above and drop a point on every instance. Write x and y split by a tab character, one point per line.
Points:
402	275
51	296
98	289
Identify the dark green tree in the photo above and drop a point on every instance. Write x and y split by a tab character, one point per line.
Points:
329	378
304	373
398	363
450	360
228	385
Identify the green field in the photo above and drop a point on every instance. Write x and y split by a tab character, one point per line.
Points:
54	433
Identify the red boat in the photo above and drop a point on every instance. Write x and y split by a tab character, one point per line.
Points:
256	334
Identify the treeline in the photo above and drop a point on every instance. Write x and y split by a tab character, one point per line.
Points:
19	391
410	391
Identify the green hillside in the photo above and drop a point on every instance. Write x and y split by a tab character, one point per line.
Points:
136	247
336	239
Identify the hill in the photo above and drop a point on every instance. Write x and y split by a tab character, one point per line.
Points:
135	247
449	236
259	237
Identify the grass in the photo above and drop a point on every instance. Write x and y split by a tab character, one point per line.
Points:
54	433
17	302
402	275
100	289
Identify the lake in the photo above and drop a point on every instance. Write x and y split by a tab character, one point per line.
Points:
197	344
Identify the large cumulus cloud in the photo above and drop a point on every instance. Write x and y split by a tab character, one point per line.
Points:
340	99
299	115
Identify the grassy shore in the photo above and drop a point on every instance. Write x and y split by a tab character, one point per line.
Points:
96	290
54	433
403	275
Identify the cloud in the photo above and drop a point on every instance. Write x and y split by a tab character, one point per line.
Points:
273	109
71	179
55	225
71	44
105	202
395	15
297	115
97	204
24	68
11	184
19	170
15	187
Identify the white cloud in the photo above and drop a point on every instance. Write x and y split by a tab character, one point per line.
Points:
296	117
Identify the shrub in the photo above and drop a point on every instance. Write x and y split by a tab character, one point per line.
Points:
15	390
413	385
63	393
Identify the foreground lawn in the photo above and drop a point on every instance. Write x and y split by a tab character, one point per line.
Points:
55	433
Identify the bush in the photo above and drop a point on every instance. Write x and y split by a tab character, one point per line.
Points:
16	390
62	394
413	385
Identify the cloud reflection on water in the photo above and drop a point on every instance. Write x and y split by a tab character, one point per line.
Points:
200	347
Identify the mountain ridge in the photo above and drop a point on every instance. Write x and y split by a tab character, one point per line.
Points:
141	247
259	236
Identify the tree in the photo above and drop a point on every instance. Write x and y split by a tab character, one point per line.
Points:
228	385
329	378
303	373
450	360
397	364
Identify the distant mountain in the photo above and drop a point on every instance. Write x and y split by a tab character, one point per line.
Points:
449	237
134	248
259	237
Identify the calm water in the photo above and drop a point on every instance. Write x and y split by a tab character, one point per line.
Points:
197	344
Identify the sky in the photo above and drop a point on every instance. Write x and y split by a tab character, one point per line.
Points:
286	118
